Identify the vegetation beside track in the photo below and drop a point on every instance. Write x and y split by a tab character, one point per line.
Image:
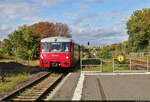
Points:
15	72
11	81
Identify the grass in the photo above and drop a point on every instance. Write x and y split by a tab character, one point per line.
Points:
107	67
122	68
55	74
91	68
29	70
28	91
23	62
11	81
16	72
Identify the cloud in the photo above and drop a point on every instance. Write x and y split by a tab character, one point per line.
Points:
98	36
84	25
32	20
120	18
81	5
77	18
13	10
114	13
83	30
98	1
49	3
5	29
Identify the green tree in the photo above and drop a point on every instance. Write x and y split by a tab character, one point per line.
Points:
105	53
8	47
138	29
22	41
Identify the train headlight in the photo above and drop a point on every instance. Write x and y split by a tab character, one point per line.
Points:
42	57
67	57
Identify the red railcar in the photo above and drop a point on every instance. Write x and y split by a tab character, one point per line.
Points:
59	52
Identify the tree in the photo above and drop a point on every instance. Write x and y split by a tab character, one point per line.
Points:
138	29
8	47
22	41
1	50
46	29
62	30
105	53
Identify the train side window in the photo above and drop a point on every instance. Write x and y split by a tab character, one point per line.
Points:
44	47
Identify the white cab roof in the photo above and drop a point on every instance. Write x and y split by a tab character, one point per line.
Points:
56	39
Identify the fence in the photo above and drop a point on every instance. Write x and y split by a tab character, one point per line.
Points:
141	64
134	62
87	65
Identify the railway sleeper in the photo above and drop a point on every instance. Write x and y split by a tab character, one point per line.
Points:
29	99
26	96
39	91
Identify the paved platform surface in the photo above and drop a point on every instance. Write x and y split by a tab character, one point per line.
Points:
90	89
105	87
116	87
66	91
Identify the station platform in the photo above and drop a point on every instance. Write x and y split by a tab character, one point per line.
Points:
101	86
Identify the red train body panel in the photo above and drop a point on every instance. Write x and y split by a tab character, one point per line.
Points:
59	52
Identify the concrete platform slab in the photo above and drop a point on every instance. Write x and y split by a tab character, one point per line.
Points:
66	91
90	89
117	87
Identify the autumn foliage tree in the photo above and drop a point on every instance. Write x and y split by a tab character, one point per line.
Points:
24	43
47	29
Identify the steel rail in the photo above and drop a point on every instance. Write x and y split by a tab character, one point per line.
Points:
11	95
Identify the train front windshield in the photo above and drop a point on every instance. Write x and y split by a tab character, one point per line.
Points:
55	47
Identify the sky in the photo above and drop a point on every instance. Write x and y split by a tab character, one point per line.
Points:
101	22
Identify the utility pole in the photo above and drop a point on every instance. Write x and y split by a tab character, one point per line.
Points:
88	44
88	47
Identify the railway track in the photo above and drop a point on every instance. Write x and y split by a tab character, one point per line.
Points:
36	90
139	64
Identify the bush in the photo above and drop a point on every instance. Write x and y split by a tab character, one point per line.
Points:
104	53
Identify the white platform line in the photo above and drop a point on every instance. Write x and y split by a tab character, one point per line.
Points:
78	91
90	73
57	88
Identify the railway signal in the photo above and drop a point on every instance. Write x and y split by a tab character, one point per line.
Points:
88	43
